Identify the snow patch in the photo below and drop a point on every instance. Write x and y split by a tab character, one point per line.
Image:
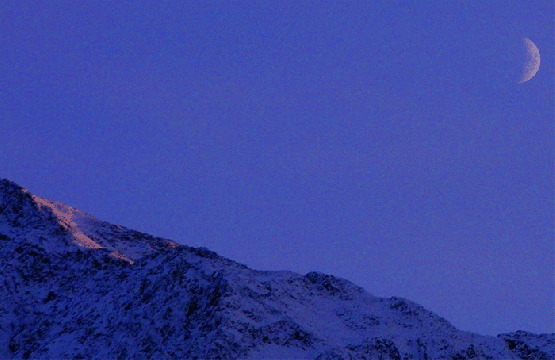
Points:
66	217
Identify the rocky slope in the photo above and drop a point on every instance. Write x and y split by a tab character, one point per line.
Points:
72	286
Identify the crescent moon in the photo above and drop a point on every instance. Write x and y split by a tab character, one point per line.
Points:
532	61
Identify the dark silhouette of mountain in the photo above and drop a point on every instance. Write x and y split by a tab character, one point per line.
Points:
72	286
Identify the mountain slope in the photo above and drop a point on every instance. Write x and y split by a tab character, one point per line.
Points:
74	286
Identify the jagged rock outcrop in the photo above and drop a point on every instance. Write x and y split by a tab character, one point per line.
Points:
72	286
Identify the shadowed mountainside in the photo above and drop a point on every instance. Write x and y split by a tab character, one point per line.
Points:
72	286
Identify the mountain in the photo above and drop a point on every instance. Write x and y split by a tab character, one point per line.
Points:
72	286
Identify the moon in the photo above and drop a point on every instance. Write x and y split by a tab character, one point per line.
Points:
532	61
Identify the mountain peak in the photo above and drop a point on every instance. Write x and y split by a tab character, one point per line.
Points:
18	208
12	194
59	227
7	184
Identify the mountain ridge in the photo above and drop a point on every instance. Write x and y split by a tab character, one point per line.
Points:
75	286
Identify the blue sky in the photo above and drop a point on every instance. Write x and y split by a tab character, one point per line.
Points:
386	142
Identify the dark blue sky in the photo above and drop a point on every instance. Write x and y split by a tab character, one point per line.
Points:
386	142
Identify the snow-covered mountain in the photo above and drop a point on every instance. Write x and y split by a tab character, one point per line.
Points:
72	286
